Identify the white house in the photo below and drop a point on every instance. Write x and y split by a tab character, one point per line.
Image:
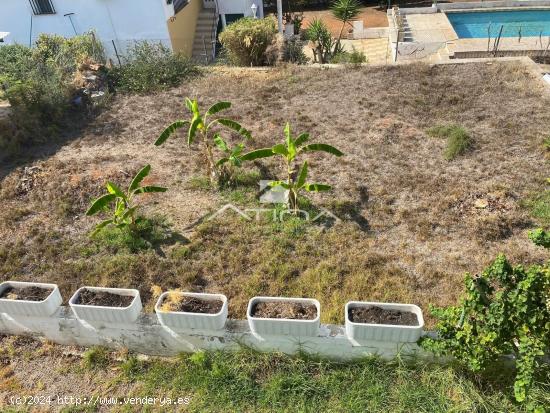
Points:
183	25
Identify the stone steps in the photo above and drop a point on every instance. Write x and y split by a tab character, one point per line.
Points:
204	33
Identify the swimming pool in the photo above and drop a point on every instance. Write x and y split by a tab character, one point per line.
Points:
475	25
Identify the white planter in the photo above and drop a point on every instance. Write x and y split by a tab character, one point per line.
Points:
107	314
30	308
384	332
283	326
186	320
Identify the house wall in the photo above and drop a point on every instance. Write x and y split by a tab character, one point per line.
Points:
241	7
121	21
182	27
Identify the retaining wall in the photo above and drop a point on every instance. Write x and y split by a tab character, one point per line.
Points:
148	336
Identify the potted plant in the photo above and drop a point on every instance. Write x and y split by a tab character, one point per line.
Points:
111	305
401	323
29	299
284	316
176	309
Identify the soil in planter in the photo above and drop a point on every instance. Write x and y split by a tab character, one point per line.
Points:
284	309
26	293
103	299
186	304
377	315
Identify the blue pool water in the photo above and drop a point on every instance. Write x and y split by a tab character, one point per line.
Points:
476	24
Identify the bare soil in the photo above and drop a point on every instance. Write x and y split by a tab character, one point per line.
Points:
378	315
26	293
194	305
412	223
289	310
103	299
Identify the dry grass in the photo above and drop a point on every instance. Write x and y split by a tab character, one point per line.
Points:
413	221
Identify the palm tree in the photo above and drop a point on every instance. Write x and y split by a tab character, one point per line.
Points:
345	11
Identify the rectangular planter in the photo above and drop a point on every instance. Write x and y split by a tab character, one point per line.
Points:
283	326
384	332
107	314
30	308
187	320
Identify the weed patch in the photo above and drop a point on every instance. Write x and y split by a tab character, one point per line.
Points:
149	67
458	139
539	206
147	233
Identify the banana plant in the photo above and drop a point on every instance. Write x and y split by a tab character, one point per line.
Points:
296	180
230	161
295	186
199	129
123	211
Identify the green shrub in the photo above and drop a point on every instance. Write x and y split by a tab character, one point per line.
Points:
15	62
540	237
43	94
506	310
68	53
355	57
293	52
247	40
145	234
151	66
39	84
458	139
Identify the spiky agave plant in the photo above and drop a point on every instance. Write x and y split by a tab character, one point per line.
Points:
123	212
319	34
296	179
199	128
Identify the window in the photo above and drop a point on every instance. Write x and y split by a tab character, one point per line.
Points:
42	7
179	5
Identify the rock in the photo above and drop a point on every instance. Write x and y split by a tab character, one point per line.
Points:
481	203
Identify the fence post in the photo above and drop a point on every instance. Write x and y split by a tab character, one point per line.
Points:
116	52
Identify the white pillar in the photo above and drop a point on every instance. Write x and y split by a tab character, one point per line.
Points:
280	15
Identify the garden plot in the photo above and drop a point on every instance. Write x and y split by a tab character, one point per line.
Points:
412	221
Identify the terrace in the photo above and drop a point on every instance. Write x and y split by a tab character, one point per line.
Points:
429	33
